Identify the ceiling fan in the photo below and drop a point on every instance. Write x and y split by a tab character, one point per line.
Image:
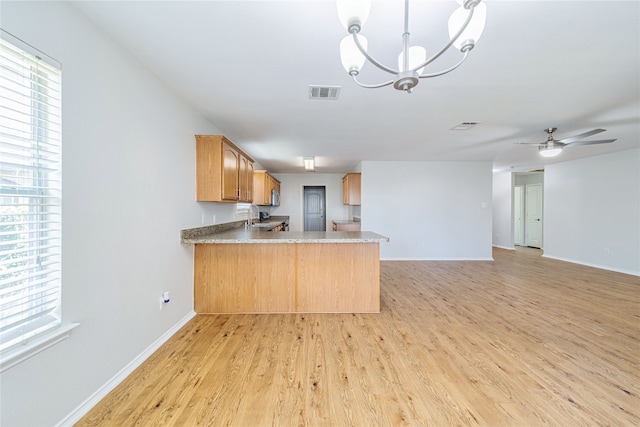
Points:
552	147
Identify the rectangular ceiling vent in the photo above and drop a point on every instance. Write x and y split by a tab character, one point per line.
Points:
324	92
465	125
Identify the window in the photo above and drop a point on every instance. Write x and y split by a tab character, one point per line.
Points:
30	199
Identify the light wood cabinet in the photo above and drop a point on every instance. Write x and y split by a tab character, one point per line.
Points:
263	183
289	278
230	177
346	226
223	172
245	174
351	189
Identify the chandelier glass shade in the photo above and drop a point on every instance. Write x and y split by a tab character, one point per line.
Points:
465	28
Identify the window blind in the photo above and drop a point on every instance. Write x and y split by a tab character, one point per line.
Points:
30	194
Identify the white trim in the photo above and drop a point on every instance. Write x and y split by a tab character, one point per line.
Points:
99	394
35	346
509	248
437	259
601	267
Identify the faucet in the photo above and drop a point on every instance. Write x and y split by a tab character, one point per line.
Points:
249	218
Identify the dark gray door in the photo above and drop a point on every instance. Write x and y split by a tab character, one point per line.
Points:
314	209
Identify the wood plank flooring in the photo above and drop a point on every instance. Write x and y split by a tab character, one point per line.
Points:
521	341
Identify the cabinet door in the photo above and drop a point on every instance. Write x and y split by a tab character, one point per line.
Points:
230	166
351	189
249	175
242	179
345	190
245	180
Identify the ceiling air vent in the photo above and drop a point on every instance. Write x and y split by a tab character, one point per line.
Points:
324	92
465	126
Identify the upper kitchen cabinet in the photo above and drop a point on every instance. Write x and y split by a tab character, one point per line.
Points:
263	184
245	176
351	189
223	172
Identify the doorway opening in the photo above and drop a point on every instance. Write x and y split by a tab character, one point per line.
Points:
528	209
314	199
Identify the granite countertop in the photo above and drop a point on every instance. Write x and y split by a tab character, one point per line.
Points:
255	235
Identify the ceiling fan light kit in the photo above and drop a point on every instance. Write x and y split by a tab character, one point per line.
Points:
549	150
552	147
465	27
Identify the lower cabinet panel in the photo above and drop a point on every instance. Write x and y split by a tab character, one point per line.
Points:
287	278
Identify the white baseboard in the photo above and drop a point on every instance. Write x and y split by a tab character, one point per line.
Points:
588	264
96	397
509	248
438	259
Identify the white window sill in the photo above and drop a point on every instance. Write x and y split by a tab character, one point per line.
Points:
35	346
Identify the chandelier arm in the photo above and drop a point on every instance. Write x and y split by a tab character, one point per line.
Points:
375	86
448	45
371	59
448	70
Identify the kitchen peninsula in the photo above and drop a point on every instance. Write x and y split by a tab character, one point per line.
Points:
240	270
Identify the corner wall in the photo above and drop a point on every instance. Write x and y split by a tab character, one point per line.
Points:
429	210
592	211
503	210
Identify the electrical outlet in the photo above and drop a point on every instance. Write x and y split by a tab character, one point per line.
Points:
164	299
213	219
606	251
203	219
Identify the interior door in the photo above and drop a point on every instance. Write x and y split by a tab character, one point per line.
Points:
518	210
314	209
533	207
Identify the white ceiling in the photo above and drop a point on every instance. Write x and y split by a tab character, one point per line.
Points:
247	66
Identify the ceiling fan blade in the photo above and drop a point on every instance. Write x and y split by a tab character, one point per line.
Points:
599	141
581	136
530	143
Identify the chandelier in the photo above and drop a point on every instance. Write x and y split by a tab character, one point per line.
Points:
465	27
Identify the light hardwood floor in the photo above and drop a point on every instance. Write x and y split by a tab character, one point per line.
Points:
521	341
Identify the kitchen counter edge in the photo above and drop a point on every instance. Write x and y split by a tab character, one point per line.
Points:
242	235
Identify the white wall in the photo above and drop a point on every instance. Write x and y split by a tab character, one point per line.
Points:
429	210
291	197
503	210
592	211
128	188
